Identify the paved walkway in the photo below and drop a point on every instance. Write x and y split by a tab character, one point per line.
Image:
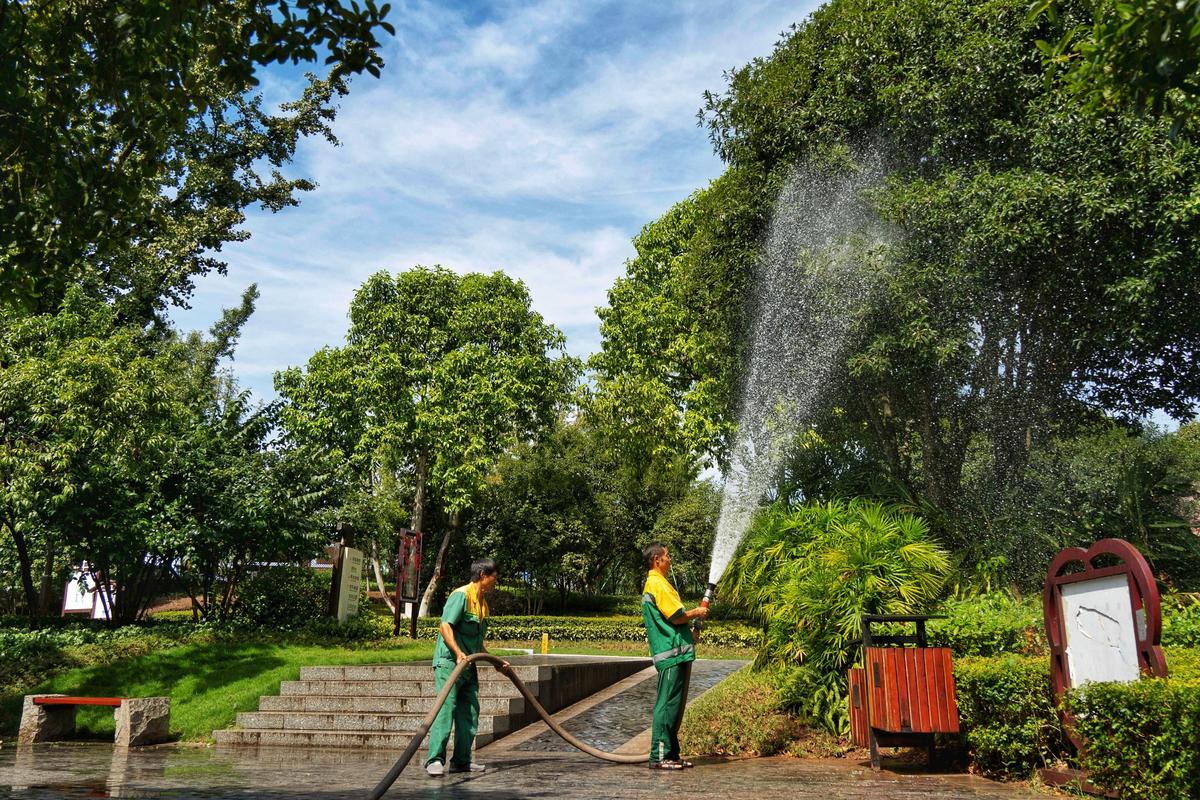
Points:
527	764
184	773
613	717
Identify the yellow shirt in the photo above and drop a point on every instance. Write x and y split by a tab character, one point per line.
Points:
664	594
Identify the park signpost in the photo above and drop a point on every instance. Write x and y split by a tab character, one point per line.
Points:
346	585
408	579
1103	623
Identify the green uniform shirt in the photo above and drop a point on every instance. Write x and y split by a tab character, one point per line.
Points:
669	644
467	613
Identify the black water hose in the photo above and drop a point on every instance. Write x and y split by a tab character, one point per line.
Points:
497	662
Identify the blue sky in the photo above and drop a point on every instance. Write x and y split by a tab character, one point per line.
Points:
536	138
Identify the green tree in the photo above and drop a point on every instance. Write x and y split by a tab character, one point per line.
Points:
542	517
131	145
139	455
86	419
441	374
687	527
1041	269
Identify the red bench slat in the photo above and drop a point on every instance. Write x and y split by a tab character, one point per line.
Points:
77	701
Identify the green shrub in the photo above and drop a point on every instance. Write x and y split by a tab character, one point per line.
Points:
1143	738
1181	620
510	600
817	698
811	572
1183	663
739	716
990	624
1007	713
283	596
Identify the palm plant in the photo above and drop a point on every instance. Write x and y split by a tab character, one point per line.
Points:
811	572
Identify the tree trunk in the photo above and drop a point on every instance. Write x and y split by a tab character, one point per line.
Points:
31	597
439	565
47	576
379	578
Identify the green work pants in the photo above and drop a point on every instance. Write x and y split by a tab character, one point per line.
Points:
668	711
462	709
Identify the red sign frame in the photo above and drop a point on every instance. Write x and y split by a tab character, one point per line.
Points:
408	577
1073	565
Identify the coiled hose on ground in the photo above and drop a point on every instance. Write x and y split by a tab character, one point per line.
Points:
419	736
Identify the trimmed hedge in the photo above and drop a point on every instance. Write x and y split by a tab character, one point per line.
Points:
1143	738
582	629
1010	724
989	625
1007	714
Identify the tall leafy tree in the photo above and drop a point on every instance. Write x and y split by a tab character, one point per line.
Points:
441	374
1043	267
131	143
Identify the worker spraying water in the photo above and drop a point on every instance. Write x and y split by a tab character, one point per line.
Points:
672	649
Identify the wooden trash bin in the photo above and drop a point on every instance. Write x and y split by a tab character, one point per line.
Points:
903	694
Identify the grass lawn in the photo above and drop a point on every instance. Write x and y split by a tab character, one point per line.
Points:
207	683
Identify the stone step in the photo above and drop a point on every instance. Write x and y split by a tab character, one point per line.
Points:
361	739
374	723
411	672
379	705
333	688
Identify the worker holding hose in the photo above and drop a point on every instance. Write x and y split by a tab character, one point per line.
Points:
673	649
463	628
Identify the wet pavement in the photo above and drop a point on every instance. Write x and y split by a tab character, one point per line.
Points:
618	719
98	770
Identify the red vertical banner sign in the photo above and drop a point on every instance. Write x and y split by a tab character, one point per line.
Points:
408	578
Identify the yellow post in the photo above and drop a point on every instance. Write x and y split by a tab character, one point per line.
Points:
545	643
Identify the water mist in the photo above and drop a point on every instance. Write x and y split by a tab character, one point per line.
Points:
813	282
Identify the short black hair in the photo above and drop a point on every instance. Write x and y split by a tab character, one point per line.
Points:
653	551
481	567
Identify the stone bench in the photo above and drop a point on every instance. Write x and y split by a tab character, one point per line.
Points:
139	720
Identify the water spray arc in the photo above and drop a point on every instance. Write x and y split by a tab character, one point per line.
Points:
813	281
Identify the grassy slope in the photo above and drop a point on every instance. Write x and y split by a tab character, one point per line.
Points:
208	683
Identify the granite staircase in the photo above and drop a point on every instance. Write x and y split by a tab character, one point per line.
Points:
382	705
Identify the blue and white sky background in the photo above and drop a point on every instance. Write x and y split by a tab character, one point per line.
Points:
535	138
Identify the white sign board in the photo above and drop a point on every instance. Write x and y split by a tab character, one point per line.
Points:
80	596
1101	640
351	583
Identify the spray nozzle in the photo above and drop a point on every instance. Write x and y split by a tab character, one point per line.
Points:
709	593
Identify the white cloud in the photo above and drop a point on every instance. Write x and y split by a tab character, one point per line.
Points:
533	138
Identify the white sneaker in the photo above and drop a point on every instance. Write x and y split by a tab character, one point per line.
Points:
435	769
474	766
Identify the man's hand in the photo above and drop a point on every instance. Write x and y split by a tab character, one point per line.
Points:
460	657
699	612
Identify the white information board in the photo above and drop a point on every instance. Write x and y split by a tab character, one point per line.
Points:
351	583
1101	640
81	597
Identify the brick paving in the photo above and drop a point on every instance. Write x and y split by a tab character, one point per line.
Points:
619	718
96	770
